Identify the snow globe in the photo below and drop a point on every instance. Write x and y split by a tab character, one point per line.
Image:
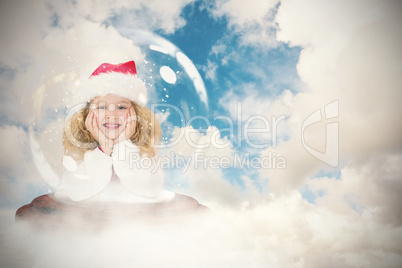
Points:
175	93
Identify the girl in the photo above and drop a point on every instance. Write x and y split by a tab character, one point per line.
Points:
106	142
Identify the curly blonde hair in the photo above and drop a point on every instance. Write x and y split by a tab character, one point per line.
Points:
77	140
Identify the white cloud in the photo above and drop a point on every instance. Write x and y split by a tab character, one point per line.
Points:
355	64
380	195
203	177
210	70
280	231
252	20
242	13
244	104
151	15
352	56
17	170
12	141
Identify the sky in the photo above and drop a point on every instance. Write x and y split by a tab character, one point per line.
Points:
297	145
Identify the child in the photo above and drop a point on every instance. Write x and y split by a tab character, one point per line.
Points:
105	141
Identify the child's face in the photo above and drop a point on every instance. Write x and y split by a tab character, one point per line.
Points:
112	112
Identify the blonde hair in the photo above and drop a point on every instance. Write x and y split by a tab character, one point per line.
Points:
77	140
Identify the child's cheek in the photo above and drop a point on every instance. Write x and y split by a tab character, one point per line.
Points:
98	119
100	115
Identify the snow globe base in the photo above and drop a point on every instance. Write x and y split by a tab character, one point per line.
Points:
47	212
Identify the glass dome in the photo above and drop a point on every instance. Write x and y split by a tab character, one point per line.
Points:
176	92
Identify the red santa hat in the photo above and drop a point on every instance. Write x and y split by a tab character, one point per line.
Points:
118	79
124	68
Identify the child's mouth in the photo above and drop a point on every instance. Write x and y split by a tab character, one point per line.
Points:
111	126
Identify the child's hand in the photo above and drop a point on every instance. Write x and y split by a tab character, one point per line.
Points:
129	131
91	124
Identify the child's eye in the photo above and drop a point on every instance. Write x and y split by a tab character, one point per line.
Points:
101	107
121	108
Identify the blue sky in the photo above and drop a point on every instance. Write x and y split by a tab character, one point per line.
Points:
280	64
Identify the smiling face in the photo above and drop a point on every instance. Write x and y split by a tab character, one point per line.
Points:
112	112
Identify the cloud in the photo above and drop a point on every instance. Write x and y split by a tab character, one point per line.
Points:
16	167
355	62
279	231
252	21
210	70
241	107
207	155
11	140
152	15
380	194
353	57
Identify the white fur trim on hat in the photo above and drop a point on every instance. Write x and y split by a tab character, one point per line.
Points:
123	85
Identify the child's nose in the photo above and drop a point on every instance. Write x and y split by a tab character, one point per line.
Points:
113	112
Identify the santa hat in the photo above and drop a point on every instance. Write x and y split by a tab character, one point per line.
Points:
118	79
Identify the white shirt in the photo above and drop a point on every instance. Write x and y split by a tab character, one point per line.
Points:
140	178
